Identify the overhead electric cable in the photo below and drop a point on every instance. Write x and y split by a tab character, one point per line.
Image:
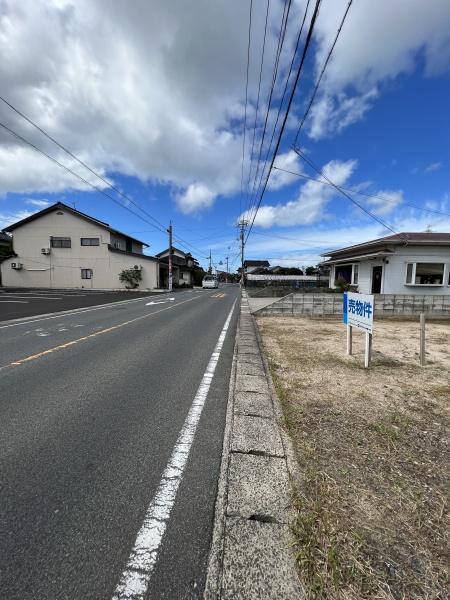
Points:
158	227
281	37
284	93
283	125
257	102
316	87
81	162
98	189
246	102
360	206
358	192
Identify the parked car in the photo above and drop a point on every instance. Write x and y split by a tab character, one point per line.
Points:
209	281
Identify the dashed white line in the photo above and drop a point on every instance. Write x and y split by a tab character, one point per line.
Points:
133	584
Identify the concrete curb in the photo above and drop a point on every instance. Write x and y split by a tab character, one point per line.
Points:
251	555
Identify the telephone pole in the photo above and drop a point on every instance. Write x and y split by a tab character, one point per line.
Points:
210	269
169	231
242	224
226	274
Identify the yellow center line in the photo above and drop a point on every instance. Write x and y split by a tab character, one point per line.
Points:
21	361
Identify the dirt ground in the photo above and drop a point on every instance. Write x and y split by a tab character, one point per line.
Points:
372	445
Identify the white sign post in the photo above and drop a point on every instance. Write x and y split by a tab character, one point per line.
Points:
358	312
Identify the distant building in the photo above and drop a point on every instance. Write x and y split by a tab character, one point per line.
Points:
183	267
255	266
404	263
60	247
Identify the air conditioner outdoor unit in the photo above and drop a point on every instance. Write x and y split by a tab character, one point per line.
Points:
45	250
16	266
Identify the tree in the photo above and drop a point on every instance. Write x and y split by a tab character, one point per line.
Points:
131	277
311	270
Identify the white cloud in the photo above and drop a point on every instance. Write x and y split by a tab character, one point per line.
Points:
433	167
379	41
151	90
385	202
197	197
10	218
289	161
39	203
309	207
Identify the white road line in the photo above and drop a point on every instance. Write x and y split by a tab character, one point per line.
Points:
14	301
134	581
36	297
68	313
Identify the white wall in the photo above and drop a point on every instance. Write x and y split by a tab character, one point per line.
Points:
62	267
394	271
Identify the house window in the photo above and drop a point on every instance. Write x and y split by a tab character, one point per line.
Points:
355	274
424	273
90	241
60	242
86	273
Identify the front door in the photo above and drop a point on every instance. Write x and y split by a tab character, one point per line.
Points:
377	275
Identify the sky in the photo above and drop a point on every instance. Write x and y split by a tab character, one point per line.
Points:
152	96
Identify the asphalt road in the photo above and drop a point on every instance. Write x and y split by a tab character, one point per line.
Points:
91	408
17	303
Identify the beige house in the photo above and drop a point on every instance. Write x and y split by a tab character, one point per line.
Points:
60	247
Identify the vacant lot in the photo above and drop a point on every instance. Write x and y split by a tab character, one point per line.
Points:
372	445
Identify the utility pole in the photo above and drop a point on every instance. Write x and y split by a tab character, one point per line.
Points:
226	274
210	269
242	224
169	231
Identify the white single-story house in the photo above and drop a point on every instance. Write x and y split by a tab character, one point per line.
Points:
60	247
404	263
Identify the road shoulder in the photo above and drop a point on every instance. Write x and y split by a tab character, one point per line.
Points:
251	554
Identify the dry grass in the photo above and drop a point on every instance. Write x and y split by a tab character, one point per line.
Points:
372	445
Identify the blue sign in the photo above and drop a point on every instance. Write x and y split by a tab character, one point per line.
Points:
345	309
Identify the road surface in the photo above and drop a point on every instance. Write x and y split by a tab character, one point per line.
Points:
17	303
111	448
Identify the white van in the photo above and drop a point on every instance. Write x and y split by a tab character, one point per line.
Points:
209	281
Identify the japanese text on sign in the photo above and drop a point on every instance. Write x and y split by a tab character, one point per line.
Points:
359	309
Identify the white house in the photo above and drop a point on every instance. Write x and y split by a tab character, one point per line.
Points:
404	263
60	247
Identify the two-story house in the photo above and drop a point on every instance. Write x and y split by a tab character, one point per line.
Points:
60	247
183	266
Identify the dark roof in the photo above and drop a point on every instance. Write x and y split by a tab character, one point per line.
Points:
73	211
404	239
119	251
256	263
187	254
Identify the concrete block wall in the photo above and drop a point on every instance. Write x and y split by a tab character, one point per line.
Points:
386	305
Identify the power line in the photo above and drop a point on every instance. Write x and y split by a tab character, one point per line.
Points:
353	191
257	102
320	172
95	187
281	36
284	93
246	101
81	162
299	70
159	226
316	87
